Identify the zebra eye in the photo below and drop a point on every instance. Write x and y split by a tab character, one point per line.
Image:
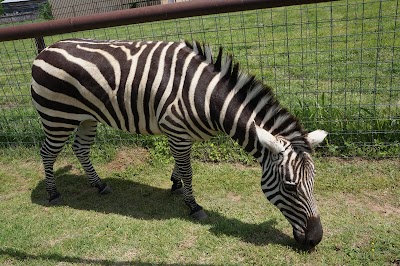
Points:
276	157
290	186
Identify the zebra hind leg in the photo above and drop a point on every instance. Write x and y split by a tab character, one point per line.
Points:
49	151
177	185
84	137
181	152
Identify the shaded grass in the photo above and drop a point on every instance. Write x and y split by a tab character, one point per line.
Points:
141	223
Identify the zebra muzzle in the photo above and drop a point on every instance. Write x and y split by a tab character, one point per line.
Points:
312	235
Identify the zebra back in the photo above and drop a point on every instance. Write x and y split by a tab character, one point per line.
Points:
169	88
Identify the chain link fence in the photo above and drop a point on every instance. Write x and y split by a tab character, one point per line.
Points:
335	65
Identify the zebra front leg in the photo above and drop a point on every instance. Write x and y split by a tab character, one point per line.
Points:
84	138
180	150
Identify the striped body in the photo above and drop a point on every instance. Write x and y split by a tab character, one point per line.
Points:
181	91
115	95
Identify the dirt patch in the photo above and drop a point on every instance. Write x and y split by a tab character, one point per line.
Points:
126	157
60	239
27	165
188	242
386	209
234	197
129	255
377	202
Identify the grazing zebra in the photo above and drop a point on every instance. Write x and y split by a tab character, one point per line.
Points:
180	90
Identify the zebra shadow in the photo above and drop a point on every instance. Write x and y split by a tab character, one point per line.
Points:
141	201
23	256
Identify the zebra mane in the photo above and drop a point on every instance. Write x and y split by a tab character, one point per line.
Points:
204	51
294	132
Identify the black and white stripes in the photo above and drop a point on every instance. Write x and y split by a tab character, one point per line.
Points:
180	90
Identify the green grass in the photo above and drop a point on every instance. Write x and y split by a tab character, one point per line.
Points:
142	224
340	76
334	65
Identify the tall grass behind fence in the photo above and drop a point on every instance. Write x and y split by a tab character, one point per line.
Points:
335	65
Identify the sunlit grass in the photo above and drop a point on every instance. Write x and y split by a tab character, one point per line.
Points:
141	223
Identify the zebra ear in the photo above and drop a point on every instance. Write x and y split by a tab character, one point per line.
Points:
269	141
316	137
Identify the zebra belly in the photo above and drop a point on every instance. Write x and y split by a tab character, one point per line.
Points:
60	110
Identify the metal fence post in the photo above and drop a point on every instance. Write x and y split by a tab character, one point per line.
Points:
40	44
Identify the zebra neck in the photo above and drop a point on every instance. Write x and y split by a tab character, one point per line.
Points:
254	104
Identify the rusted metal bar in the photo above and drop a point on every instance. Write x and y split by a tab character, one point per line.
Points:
140	15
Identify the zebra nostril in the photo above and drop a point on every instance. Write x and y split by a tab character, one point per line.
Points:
314	232
311	243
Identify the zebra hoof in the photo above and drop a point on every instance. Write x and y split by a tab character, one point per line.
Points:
55	200
199	215
105	189
177	188
177	191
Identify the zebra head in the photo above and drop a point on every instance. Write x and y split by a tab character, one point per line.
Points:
288	182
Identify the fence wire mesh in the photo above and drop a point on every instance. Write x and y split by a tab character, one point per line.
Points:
73	8
335	65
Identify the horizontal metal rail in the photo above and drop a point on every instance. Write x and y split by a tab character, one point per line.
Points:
140	15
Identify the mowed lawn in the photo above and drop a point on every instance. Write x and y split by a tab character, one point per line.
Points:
141	223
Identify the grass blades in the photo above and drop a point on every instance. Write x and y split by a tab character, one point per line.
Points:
141	223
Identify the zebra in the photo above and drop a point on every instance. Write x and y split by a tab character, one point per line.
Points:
181	90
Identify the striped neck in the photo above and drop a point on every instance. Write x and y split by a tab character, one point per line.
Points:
236	102
248	103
